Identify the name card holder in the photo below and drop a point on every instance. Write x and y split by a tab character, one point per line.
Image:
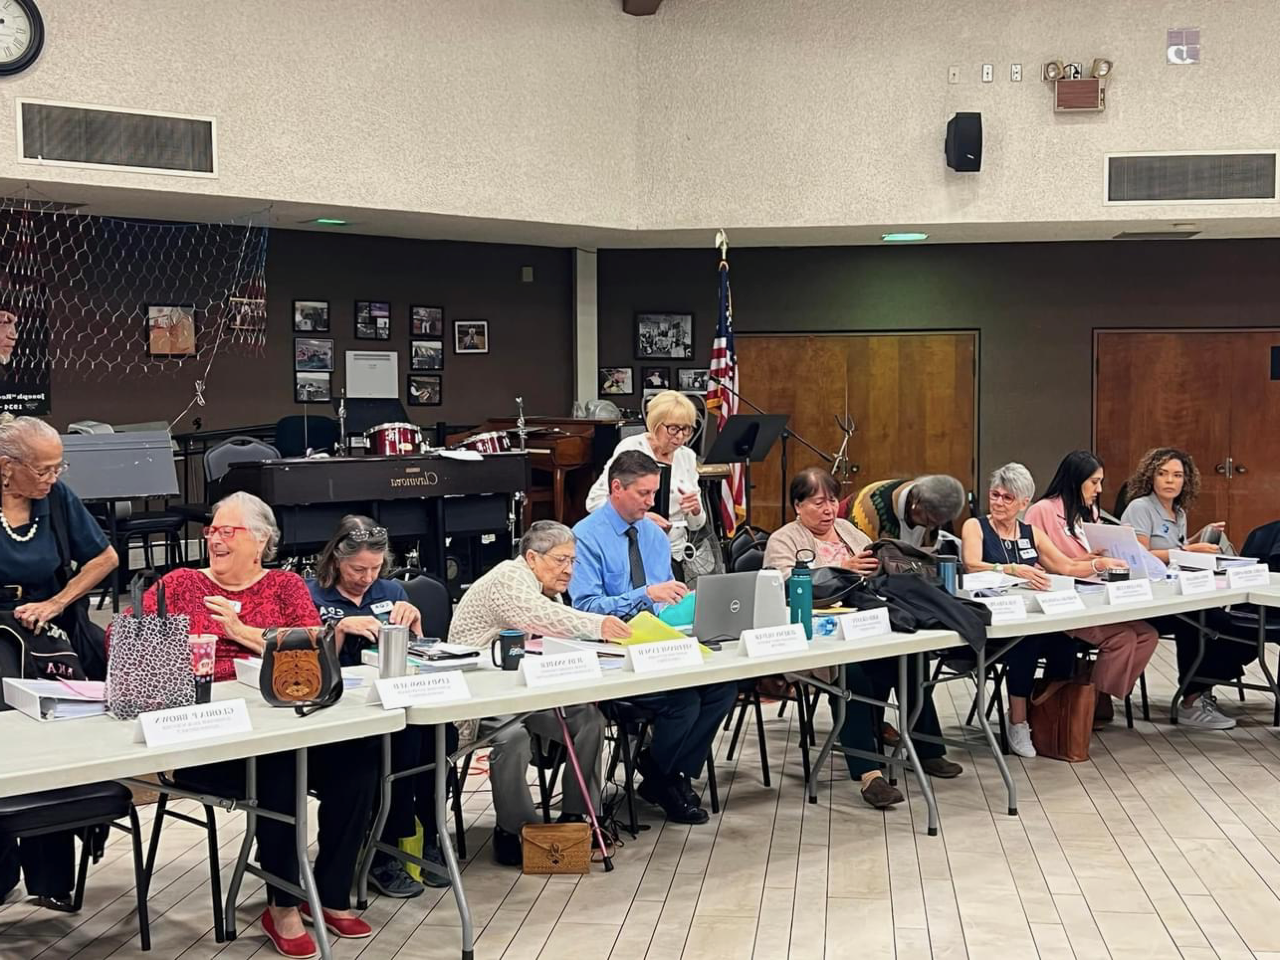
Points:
558	668
1059	601
773	641
865	623
663	655
446	686
1129	591
200	721
1005	609
1192	582
1254	575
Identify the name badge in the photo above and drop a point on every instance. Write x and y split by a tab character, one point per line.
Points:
1191	582
547	671
773	641
446	686
1059	601
1005	609
200	721
865	623
663	655
382	606
1256	575
1024	543
1129	591
1028	553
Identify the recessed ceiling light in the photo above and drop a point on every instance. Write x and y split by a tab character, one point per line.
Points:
903	237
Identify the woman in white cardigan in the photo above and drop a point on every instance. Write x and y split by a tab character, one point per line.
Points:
669	420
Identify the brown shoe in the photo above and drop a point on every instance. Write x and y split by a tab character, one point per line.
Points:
878	793
942	768
890	736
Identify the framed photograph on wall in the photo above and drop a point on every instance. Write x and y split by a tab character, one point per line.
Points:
664	336
694	379
247	314
311	316
426	355
616	382
373	320
471	336
655	378
311	354
171	330
426	321
311	387
425	391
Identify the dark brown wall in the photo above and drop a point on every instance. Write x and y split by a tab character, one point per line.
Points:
530	332
1036	307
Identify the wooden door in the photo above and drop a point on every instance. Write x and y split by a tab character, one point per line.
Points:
912	398
1255	432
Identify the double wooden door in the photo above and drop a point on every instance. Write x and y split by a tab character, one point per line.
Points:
912	398
1215	394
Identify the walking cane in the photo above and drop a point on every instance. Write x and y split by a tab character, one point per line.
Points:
586	793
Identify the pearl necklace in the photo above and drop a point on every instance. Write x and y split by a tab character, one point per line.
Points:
4	521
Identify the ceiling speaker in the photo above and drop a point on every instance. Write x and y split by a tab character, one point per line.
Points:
964	142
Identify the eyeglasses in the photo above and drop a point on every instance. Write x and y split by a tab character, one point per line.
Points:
564	563
1002	496
677	430
225	531
361	534
48	473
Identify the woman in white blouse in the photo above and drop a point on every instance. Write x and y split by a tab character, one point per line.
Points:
669	420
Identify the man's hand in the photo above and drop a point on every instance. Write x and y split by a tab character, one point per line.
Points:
673	591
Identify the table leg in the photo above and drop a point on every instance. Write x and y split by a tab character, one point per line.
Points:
242	858
1262	662
981	678
446	843
380	821
838	708
904	740
304	862
1185	682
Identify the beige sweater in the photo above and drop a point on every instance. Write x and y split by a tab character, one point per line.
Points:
509	597
780	551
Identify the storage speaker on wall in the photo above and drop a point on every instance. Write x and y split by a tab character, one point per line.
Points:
964	142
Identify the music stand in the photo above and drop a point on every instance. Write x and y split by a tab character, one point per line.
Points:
747	439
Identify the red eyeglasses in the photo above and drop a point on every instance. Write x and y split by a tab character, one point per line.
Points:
1002	496
225	531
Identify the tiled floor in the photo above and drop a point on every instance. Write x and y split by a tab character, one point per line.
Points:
1164	844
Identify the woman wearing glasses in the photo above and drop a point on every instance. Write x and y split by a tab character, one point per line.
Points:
42	519
669	419
238	599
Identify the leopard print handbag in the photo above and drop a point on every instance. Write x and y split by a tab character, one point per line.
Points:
300	668
149	661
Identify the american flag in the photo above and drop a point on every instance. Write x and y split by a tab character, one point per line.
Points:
724	403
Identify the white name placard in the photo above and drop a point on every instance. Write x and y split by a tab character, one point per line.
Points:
200	721
1005	609
664	655
446	686
1129	591
547	671
865	623
1256	575
1059	601
1191	582
773	641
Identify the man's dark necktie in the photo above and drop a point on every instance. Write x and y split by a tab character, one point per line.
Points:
634	558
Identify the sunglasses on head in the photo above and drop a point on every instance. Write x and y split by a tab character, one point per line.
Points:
363	534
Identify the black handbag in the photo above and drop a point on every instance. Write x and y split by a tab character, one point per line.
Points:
87	638
300	668
897	556
833	585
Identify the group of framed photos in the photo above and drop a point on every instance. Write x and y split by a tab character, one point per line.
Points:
313	357
659	336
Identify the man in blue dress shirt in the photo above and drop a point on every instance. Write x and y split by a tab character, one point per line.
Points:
624	566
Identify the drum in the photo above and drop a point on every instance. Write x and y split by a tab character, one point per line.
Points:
394	439
493	442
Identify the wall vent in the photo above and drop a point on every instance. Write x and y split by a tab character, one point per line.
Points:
136	140
1154	178
1156	235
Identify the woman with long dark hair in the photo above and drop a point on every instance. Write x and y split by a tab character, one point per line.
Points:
1069	502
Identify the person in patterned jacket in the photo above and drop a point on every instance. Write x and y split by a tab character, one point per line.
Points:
908	510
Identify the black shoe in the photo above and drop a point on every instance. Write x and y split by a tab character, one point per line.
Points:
63	904
690	794
678	809
506	848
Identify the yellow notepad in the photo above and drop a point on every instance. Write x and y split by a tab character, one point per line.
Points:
646	628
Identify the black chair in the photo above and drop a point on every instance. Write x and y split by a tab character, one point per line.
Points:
430	595
92	810
295	434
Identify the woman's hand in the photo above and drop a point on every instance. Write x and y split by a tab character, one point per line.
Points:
663	523
614	629
863	563
1038	579
405	614
366	627
36	615
690	502
1202	548
1101	563
224	613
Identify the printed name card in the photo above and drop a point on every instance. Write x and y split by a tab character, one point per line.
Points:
447	686
200	721
1191	582
663	655
865	623
1129	591
547	671
773	641
1059	601
1255	575
1005	609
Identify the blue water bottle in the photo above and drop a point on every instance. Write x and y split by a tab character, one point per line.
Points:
800	592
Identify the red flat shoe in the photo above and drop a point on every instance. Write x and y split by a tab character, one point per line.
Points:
295	948
349	928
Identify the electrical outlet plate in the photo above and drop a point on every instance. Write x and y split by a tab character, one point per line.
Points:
953	74
988	73
1015	73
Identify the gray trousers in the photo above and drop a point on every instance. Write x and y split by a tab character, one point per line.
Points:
509	763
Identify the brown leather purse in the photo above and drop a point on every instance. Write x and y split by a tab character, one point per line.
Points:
556	847
300	668
1061	716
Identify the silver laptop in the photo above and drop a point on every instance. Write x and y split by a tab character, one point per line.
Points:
728	603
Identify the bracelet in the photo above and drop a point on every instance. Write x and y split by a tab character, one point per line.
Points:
1093	565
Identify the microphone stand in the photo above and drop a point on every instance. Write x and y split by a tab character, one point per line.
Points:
786	435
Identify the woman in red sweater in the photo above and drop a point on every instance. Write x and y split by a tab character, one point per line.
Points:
236	599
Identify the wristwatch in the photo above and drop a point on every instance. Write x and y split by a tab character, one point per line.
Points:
998	568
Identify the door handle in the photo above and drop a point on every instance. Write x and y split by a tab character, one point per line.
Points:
1240	468
1220	468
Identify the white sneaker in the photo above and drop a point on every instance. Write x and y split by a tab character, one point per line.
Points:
1204	715
1020	739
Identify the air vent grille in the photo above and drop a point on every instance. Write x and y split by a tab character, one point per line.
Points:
94	136
1182	178
1156	235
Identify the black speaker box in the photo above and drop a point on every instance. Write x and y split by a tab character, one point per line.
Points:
964	142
